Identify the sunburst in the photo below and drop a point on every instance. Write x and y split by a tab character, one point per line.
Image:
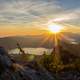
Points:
55	28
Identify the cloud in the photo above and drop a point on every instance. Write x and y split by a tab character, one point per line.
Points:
67	15
17	11
36	11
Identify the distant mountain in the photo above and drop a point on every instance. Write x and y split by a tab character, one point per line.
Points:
24	41
31	41
73	36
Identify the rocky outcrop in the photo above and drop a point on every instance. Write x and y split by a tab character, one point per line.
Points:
10	70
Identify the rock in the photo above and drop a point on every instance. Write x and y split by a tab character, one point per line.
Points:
10	70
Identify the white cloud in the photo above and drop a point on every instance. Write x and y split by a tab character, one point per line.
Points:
21	10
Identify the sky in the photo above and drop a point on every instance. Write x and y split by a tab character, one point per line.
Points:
25	17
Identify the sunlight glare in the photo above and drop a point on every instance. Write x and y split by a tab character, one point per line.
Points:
55	28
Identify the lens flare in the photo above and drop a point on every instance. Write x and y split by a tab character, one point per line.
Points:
55	28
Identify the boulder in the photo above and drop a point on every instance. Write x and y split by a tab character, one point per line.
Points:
10	70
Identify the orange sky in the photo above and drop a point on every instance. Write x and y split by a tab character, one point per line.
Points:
9	30
19	30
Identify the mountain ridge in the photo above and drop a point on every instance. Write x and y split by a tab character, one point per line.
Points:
31	41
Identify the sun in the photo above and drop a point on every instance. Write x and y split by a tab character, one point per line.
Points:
55	28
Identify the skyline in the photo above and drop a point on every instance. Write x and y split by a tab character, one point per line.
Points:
22	17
